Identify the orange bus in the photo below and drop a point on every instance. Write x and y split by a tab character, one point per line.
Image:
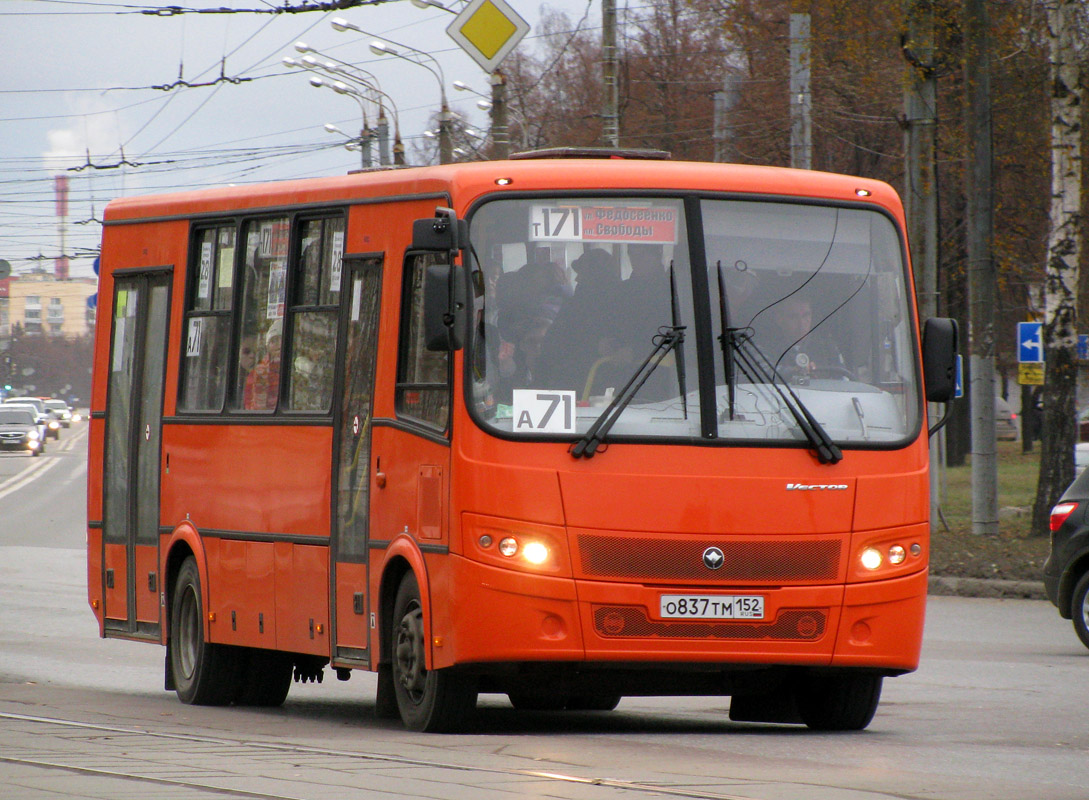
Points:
564	427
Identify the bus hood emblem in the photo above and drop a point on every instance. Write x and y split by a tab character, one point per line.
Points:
713	558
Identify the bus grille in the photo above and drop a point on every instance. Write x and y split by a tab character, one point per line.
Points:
777	561
619	622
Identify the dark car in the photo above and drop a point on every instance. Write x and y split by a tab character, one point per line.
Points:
1066	571
45	416
19	430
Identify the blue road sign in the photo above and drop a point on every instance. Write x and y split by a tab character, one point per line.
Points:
1030	342
1083	346
959	390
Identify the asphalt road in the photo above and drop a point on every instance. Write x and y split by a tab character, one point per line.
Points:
995	711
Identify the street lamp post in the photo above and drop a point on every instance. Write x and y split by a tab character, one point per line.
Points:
387	48
498	108
365	134
343	71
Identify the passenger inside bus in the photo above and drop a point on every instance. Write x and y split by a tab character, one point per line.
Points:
584	340
528	300
263	382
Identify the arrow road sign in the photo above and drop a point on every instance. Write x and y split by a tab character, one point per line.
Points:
1030	343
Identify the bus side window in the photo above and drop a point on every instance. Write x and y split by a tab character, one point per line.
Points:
423	376
208	320
314	314
264	284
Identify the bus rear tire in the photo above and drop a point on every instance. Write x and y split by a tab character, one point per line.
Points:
204	674
430	701
838	702
265	678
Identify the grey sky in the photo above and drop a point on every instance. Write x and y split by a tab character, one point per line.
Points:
77	79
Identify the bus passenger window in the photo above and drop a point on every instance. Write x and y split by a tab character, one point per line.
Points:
208	317
314	314
423	376
264	284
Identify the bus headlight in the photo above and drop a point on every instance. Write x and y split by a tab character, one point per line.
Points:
513	544
871	558
535	553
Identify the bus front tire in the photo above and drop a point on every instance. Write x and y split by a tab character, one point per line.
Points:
205	674
430	701
838	702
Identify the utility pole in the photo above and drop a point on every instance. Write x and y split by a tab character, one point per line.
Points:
383	137
724	103
500	129
801	127
610	114
920	148
981	270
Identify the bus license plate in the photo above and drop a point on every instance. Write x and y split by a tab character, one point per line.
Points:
714	606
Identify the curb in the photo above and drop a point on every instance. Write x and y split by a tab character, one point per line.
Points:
980	587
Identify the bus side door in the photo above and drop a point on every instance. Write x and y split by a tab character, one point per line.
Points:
134	408
360	314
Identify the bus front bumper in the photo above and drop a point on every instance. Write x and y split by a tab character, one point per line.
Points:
516	617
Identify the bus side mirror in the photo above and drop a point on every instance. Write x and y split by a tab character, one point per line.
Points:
442	233
940	336
444	305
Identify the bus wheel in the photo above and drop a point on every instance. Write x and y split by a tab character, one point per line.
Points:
429	700
838	702
1079	609
265	678
205	674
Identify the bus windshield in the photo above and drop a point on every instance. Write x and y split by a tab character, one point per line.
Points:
798	311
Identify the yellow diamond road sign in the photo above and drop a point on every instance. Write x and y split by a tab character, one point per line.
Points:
488	30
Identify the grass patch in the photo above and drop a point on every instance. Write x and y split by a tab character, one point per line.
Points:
1016	552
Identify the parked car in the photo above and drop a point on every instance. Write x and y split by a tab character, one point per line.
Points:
1066	571
51	423
19	430
1005	421
60	411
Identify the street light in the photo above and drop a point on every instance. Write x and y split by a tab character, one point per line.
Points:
383	127
387	48
344	71
365	135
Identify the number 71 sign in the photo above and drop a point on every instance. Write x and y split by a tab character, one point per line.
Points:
543	412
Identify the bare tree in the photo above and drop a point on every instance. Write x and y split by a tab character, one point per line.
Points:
1064	22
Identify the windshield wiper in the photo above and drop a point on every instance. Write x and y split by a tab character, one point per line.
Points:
724	340
667	339
759	369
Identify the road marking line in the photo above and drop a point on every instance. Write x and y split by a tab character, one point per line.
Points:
34	472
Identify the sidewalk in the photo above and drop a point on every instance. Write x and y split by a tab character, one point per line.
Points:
979	587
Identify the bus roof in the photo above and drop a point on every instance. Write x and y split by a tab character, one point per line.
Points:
466	181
